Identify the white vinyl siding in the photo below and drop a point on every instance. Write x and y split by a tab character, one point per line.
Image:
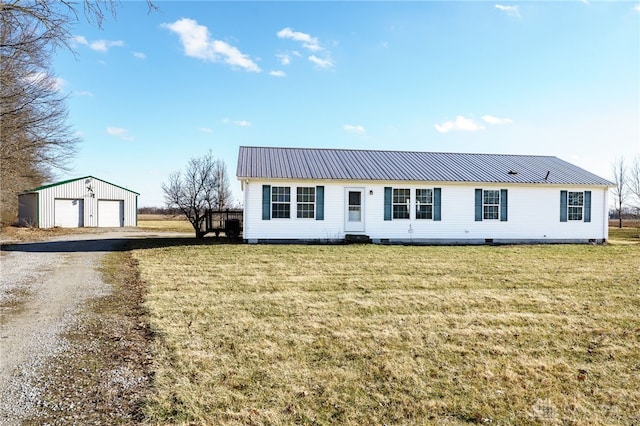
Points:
533	214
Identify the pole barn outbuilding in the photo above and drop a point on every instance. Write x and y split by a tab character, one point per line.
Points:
82	202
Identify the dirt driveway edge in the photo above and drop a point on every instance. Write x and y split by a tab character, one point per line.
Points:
66	304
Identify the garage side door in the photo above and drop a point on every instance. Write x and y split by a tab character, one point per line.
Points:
68	213
110	213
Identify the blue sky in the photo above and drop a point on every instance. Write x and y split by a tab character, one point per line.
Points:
149	91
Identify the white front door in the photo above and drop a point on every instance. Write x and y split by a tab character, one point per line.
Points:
354	210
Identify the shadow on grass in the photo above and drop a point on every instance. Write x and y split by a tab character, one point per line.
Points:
114	244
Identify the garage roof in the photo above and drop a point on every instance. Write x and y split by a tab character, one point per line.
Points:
76	179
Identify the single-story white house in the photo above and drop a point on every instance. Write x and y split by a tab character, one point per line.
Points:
329	195
82	202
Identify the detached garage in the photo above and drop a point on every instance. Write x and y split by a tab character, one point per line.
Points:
81	202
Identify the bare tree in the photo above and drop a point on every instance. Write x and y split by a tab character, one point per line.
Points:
620	191
35	139
196	189
223	188
634	180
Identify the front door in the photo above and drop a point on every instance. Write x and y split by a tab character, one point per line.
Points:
354	210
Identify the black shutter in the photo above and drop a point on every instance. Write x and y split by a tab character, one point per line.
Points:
503	205
319	202
563	206
587	206
266	202
478	205
387	203
437	204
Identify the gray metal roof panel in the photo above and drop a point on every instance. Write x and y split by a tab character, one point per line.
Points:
346	164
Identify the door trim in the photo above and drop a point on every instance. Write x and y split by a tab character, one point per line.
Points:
351	225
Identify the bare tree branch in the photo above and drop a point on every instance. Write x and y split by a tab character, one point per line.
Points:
195	189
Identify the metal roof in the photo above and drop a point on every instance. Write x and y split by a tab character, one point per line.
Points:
347	164
73	180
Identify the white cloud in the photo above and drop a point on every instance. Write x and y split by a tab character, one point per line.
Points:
278	73
495	120
320	62
197	43
80	40
206	130
120	133
57	83
97	45
241	123
460	123
139	55
509	10
356	129
307	41
284	58
637	7
45	81
105	45
82	93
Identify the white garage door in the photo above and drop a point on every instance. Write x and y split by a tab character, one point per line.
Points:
68	213
110	213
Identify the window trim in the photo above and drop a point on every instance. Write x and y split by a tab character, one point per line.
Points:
406	204
311	205
503	206
495	205
570	206
419	204
278	202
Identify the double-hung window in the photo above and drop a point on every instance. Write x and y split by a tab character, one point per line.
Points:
306	202
575	205
280	202
401	200
490	204
424	203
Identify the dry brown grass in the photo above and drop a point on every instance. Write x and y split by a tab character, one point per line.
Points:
155	222
24	234
394	335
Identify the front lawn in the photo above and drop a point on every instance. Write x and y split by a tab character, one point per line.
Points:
367	334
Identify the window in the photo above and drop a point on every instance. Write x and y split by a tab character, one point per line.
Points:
400	204
280	202
424	204
491	204
576	204
306	202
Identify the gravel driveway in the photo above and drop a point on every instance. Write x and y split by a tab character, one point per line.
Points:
54	279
